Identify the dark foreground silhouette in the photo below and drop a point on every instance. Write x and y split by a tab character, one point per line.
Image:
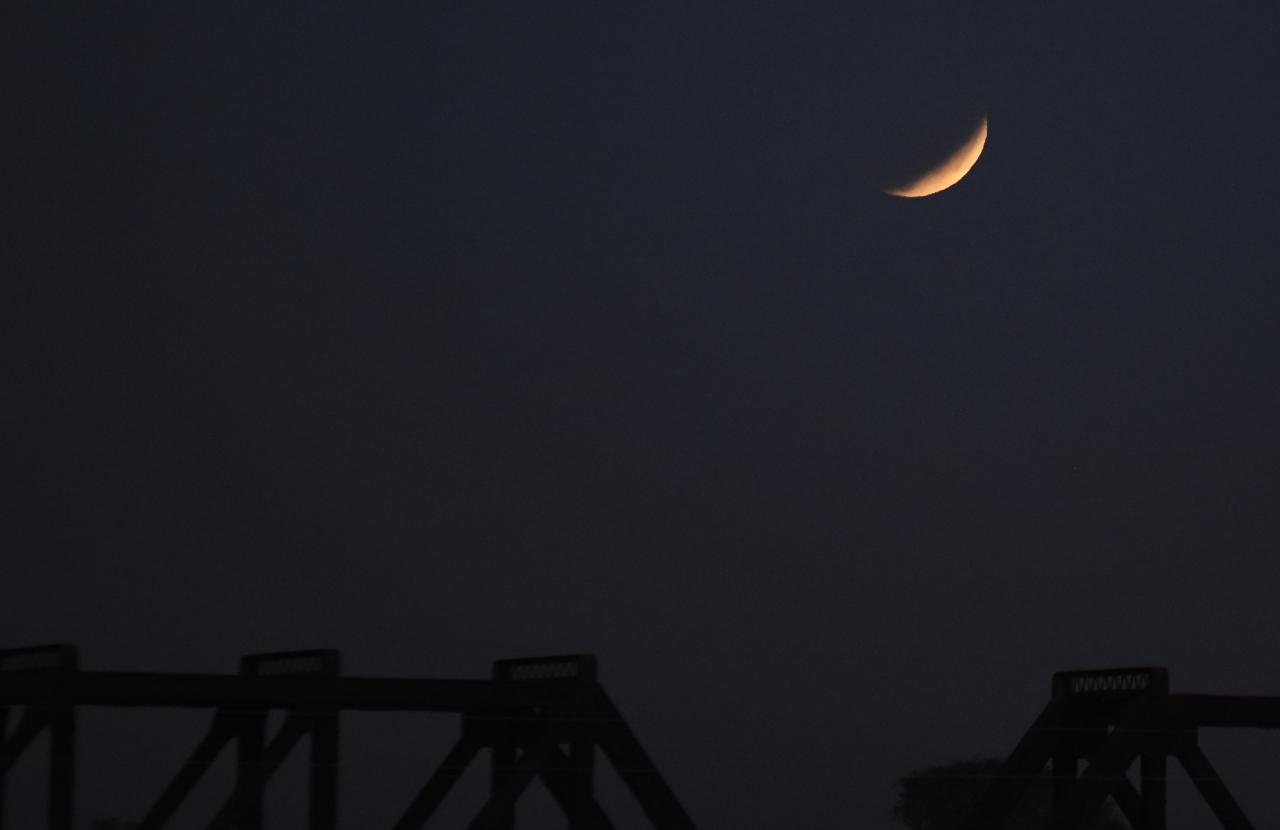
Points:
1099	724
542	718
545	718
939	797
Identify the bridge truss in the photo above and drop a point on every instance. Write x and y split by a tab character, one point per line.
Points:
542	718
1097	727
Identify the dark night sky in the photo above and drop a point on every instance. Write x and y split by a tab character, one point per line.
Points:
447	332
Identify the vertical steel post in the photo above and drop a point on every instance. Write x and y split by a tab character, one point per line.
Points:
503	772
581	782
323	808
4	734
1154	789
251	729
1063	776
62	767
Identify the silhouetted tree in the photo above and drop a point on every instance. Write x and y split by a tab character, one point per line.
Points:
939	798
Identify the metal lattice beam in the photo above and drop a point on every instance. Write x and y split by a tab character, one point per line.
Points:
541	718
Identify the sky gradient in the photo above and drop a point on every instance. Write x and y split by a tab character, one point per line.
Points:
450	332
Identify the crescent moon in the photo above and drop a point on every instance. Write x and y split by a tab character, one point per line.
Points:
950	171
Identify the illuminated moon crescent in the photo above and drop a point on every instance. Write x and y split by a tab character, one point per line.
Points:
950	171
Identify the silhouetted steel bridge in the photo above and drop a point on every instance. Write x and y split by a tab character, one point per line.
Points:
547	718
1098	725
